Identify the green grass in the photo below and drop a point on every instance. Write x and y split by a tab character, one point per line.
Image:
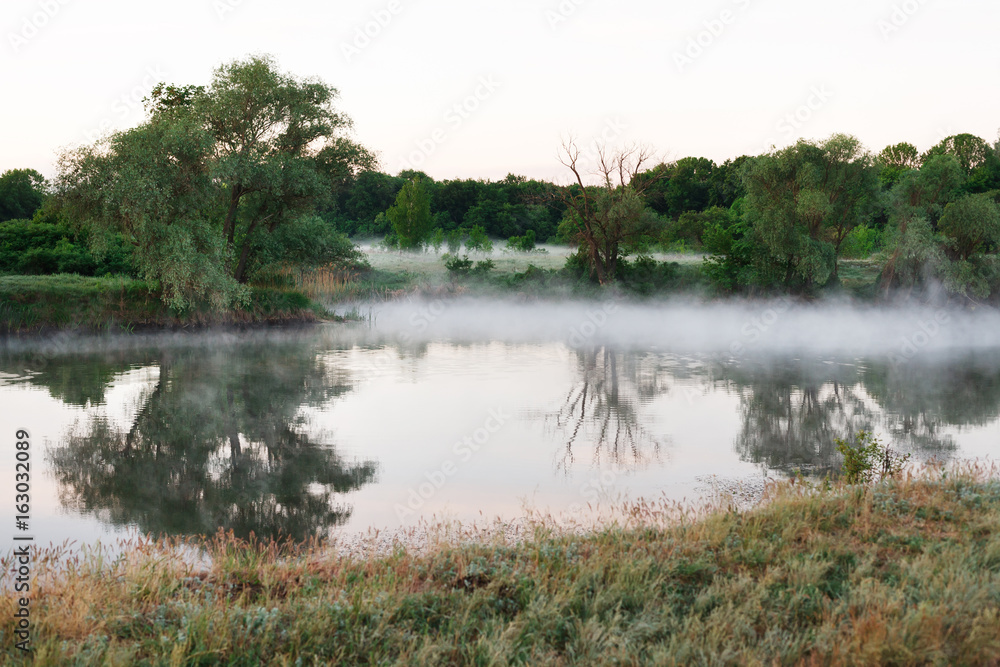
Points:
902	573
30	304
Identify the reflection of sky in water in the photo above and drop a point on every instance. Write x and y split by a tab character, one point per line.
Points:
409	408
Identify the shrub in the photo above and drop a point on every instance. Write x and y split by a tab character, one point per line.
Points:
869	460
478	241
862	242
524	243
457	265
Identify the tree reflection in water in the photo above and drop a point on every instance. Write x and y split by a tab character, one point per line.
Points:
600	408
219	442
793	410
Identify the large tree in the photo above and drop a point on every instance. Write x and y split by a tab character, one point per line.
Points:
895	161
915	205
411	215
213	172
605	219
21	194
805	199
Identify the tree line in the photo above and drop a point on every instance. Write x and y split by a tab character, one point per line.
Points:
223	184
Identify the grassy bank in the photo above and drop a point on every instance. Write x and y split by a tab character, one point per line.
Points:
906	572
31	304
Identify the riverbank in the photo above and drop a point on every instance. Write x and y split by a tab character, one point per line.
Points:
906	572
40	304
544	272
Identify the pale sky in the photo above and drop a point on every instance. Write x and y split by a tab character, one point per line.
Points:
524	74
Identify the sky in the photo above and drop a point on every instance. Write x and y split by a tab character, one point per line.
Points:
484	88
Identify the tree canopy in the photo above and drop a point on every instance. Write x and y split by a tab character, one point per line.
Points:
201	186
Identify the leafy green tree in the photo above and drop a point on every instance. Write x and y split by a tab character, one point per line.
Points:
895	161
971	227
368	195
22	192
311	242
915	205
805	199
738	259
690	226
478	241
411	215
212	173
45	248
524	243
437	240
971	151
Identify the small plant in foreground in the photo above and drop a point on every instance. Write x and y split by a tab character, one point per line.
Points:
869	460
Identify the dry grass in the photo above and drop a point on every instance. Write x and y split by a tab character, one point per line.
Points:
902	573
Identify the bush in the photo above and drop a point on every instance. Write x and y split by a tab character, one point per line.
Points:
862	242
524	243
483	267
478	241
45	248
457	265
869	460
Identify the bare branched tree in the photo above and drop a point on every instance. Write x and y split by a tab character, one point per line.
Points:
608	217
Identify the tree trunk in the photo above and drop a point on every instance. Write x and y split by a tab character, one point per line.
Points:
229	228
241	267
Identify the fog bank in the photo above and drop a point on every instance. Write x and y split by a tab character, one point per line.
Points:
735	328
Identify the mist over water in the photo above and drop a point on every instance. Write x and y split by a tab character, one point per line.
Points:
735	328
470	407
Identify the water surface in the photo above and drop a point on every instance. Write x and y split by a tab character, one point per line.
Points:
473	411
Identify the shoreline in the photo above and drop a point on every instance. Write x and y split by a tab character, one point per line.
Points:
904	572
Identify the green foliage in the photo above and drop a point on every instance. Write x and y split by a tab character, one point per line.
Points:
454	239
22	192
692	184
311	242
644	275
896	160
478	241
805	199
457	265
484	266
970	151
361	204
463	266
737	259
690	227
524	243
608	223
38	248
862	242
211	174
437	240
411	215
913	250
868	460
971	225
